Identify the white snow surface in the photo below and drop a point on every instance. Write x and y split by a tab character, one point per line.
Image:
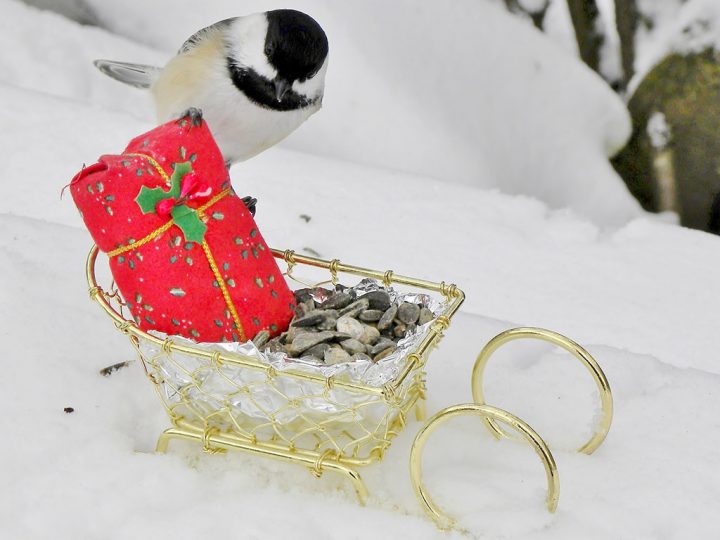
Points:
659	131
462	91
678	26
640	297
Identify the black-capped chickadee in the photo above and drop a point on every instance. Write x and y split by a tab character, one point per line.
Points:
255	78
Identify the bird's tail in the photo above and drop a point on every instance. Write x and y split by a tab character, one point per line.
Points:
137	75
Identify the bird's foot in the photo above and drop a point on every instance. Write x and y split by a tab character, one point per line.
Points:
193	114
250	203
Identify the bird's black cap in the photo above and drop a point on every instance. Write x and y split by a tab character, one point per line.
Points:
295	44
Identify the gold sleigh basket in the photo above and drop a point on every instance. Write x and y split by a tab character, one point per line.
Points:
329	423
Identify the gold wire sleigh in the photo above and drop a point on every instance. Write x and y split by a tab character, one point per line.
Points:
328	423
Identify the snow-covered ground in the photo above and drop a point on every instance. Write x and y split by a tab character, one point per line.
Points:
640	296
413	88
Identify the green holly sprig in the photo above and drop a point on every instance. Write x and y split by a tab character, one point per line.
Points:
184	185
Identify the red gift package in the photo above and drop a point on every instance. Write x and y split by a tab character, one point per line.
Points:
184	250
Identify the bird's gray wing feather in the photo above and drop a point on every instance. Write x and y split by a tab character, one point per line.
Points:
137	75
203	33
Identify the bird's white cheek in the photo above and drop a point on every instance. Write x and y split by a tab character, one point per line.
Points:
247	44
312	88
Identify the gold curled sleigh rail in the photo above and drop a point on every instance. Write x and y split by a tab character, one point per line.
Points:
405	392
491	416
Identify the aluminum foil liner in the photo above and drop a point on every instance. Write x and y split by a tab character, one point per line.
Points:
247	391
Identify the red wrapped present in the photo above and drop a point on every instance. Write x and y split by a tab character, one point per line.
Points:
184	250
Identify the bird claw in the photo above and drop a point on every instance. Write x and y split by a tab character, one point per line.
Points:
250	203
194	114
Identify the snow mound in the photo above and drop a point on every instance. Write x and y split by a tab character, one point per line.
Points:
462	92
675	26
49	53
92	473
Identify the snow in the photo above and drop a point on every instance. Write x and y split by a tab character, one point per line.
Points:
658	130
56	58
639	296
533	6
665	27
674	26
447	96
610	61
681	27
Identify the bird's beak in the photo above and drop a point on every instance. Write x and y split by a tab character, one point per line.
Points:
281	88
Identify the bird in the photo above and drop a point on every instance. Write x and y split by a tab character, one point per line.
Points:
254	79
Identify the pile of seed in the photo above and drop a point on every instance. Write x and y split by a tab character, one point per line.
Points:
345	326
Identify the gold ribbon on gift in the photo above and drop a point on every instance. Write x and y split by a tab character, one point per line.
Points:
206	248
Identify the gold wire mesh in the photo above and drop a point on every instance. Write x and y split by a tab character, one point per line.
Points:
213	394
267	406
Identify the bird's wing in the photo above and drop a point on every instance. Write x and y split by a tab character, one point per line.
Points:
202	34
137	75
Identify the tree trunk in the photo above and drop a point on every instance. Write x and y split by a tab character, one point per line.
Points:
585	15
677	166
626	20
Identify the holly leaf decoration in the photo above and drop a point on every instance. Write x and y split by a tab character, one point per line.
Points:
183	216
189	223
181	169
148	198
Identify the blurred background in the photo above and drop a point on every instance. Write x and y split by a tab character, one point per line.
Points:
605	107
540	154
